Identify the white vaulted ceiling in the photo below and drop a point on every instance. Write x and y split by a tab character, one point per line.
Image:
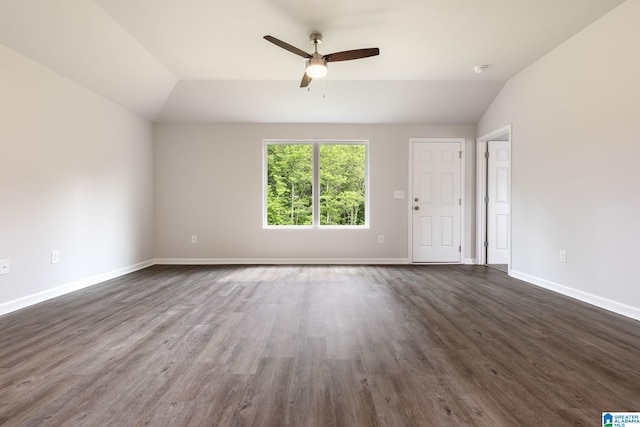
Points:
197	60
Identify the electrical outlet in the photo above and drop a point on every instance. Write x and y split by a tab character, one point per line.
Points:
194	239
55	257
562	256
380	239
4	266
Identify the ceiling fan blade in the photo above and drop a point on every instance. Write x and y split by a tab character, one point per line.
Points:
288	47
348	55
305	80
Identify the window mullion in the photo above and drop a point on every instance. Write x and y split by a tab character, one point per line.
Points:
316	185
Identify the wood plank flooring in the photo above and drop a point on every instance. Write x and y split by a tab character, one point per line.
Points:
316	346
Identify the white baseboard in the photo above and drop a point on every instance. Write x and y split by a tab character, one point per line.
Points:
607	304
281	261
469	261
39	297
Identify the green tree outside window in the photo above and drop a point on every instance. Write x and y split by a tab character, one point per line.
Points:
341	184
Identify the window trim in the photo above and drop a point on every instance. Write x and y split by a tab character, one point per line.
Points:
315	143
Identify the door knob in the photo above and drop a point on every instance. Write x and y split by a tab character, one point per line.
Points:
416	207
416	199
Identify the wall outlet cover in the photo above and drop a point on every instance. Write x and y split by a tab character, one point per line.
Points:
562	256
4	266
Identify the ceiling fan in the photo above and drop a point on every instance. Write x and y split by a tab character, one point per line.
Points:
316	62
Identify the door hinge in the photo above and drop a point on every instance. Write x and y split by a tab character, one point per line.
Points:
486	155
486	244
459	248
486	199
460	154
459	202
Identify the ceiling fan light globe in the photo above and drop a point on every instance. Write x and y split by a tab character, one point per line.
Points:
316	71
316	66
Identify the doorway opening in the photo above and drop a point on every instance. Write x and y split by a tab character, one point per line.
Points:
493	168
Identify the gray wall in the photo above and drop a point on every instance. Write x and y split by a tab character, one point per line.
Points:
209	184
576	146
76	175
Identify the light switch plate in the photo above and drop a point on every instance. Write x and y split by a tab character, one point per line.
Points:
398	194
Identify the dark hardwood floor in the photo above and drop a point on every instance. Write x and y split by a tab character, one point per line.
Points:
316	346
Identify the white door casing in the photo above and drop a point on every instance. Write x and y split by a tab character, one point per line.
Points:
436	196
501	134
498	193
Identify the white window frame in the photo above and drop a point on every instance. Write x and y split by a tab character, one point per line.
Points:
315	143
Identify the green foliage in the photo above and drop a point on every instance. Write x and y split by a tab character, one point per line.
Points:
341	187
289	184
342	184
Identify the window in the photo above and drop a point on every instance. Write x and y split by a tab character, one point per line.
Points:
315	184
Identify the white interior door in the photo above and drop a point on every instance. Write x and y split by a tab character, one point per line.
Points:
498	193
436	197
